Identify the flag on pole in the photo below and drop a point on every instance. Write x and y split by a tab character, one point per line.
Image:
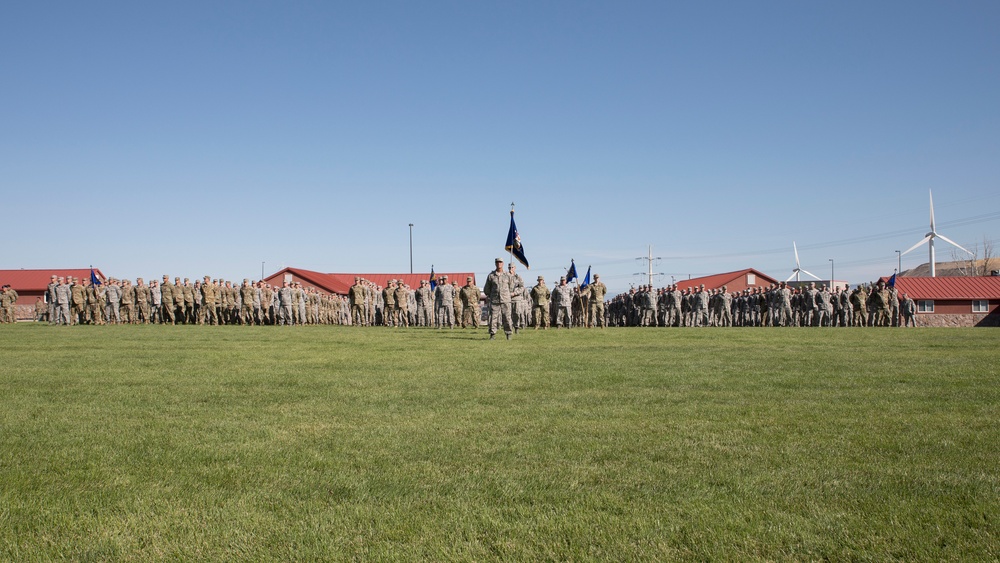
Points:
513	244
892	281
93	278
586	279
433	281
571	272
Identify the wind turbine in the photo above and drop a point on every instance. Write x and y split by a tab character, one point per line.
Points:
929	239
795	272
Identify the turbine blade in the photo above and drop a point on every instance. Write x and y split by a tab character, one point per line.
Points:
796	250
953	243
791	276
932	210
924	240
814	276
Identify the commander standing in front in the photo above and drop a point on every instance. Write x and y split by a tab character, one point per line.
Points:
498	288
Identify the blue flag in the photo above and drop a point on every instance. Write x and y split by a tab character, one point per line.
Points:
433	281
586	279
513	244
892	281
571	272
93	278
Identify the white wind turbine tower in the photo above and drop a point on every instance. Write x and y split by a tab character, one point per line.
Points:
795	272
929	239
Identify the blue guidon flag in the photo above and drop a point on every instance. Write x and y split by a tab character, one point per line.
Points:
514	243
586	279
571	272
93	278
433	281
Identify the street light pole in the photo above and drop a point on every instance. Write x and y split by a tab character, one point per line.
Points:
899	263
262	271
831	274
411	248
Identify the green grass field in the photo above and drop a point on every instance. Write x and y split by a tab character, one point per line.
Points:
310	443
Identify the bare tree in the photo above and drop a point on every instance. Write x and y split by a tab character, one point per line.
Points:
980	263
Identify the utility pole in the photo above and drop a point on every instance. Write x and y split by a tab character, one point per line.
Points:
649	263
411	248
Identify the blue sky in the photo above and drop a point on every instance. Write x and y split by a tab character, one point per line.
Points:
194	138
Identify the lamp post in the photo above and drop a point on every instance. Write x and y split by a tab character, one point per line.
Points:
411	248
831	274
899	263
262	270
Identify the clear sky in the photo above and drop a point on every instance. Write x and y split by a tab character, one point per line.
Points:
194	138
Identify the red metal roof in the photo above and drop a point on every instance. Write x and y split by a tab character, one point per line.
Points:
38	280
729	279
944	288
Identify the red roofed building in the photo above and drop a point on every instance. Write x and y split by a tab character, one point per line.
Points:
341	283
31	284
953	301
734	281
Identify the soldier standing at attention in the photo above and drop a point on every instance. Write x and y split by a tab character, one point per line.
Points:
389	303
167	300
78	313
908	309
113	296
179	313
142	300
893	306
517	298
456	303
50	296
540	303
498	288
425	304
726	315
285	300
470	304
444	303
64	296
247	293
701	307
597	293
127	302
356	296
208	316
155	298
402	305
562	301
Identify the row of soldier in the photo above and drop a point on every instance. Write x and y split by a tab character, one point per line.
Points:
777	305
71	301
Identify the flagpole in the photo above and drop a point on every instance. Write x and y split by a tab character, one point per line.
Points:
510	260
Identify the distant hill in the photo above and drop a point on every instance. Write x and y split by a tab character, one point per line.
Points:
952	269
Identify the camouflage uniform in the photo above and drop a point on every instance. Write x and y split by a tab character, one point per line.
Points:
498	289
540	296
470	304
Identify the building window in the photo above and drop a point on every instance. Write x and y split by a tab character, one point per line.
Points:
980	306
925	306
751	279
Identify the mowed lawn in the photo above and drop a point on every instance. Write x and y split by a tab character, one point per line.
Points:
341	443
